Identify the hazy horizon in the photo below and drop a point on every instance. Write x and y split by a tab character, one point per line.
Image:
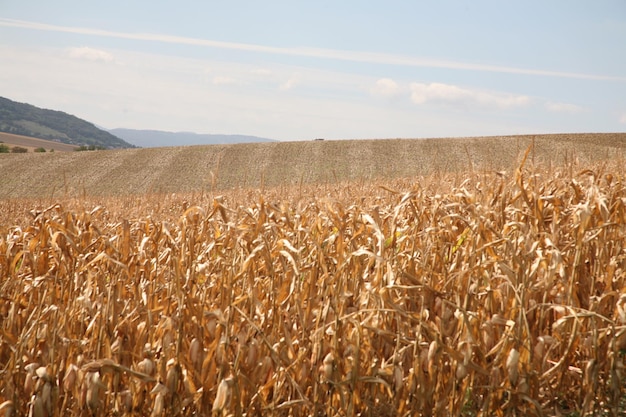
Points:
293	71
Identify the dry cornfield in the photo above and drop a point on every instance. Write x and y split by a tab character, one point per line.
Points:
482	294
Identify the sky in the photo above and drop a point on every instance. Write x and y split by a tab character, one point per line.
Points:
341	69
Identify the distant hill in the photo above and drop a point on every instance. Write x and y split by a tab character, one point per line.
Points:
28	120
157	138
198	169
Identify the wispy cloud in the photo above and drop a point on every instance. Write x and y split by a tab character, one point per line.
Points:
222	80
263	72
354	56
90	54
563	107
622	119
451	94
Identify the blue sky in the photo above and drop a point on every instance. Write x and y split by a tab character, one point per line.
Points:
347	69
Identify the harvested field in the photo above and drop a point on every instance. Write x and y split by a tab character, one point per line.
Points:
262	165
470	293
31	143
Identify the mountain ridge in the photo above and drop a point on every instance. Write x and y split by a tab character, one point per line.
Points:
151	138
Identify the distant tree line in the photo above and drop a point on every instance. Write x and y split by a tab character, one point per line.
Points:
89	148
15	149
4	148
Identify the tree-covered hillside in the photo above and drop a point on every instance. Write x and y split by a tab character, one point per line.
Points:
25	119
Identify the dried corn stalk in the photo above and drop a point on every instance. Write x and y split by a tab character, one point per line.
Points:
453	294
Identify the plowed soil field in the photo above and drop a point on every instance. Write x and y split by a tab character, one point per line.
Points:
221	167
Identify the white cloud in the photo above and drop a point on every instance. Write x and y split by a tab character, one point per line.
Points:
290	83
90	54
563	107
622	119
451	94
385	87
261	71
221	80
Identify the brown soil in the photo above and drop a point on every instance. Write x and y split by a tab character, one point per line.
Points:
31	143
